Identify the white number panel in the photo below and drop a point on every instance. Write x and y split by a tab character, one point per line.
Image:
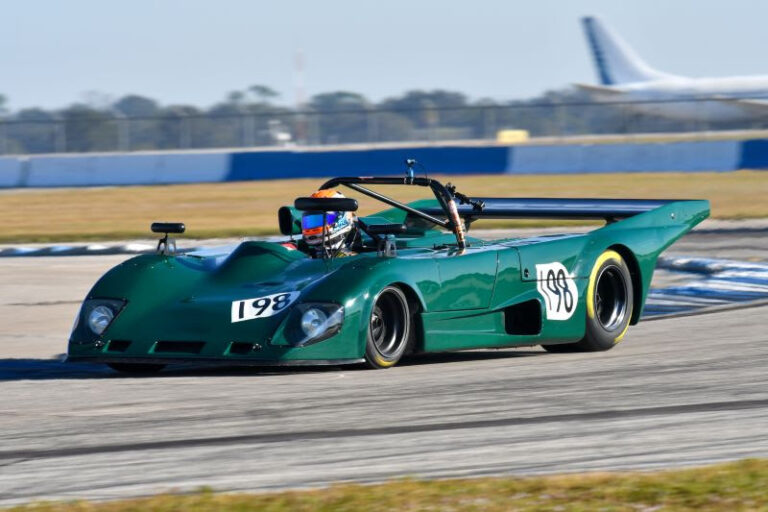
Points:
558	289
262	307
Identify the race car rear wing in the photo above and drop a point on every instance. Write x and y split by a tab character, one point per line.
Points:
571	208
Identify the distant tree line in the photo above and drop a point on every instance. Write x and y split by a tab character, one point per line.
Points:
251	117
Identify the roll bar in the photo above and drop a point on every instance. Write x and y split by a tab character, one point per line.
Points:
470	209
442	193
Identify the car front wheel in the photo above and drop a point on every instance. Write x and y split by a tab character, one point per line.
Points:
388	328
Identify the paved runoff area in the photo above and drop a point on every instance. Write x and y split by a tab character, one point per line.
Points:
680	391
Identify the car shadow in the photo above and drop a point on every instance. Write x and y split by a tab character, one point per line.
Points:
55	369
58	369
48	369
469	355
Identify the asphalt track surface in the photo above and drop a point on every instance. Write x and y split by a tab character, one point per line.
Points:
680	391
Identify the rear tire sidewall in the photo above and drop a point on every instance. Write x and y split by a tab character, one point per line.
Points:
395	302
608	317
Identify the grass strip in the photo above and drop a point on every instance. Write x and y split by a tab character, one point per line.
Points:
741	485
250	208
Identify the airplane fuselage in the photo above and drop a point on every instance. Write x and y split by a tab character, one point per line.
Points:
698	99
626	78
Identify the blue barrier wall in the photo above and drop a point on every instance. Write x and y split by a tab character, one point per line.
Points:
222	165
128	169
309	164
648	157
754	154
10	172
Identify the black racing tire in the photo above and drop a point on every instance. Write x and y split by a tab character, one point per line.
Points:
610	302
135	368
389	328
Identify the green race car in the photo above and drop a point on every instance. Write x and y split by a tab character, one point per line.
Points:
407	279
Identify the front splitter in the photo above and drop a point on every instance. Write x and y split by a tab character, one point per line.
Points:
212	361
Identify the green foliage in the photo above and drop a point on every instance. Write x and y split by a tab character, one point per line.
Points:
134	105
339	101
88	129
341	117
235	97
263	93
34	131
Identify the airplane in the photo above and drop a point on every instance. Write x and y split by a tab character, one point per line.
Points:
625	77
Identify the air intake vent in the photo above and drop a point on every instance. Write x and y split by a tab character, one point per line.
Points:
523	318
240	348
179	347
118	345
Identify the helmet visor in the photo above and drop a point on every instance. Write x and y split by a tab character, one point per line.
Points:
315	220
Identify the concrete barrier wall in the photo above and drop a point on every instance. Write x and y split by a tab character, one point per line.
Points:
144	169
754	154
602	158
305	164
10	172
216	166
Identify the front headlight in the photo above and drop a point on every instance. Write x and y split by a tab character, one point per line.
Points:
99	319
95	316
314	321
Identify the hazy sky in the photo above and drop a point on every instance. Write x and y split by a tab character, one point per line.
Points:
52	52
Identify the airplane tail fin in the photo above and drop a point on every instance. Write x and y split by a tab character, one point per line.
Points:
616	62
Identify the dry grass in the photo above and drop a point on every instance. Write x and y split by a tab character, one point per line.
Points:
733	486
249	208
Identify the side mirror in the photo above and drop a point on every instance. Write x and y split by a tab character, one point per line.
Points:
168	227
167	246
289	220
326	204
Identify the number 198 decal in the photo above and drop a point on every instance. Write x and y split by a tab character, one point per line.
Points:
558	288
262	307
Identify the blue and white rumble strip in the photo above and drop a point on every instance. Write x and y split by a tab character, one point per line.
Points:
713	282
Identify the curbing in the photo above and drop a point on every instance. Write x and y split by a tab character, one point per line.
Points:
76	250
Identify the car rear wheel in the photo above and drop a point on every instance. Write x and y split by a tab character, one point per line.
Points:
389	327
609	306
136	368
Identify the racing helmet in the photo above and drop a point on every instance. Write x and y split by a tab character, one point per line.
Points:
337	224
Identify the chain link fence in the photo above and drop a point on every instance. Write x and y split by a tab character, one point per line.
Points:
110	131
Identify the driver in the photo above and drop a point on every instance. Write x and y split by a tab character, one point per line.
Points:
339	230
